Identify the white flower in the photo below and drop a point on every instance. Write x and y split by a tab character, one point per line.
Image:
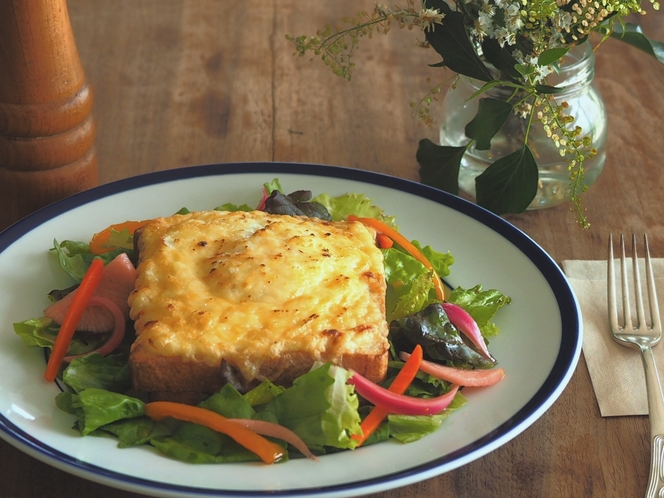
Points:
484	23
430	17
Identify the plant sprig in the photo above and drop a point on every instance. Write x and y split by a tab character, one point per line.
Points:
504	43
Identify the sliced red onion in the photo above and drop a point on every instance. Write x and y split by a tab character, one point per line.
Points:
119	328
470	378
261	204
462	320
398	403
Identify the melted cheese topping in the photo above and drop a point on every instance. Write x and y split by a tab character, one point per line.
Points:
252	287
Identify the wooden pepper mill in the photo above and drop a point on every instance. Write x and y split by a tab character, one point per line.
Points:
46	127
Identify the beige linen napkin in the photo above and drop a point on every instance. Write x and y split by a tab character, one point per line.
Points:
616	372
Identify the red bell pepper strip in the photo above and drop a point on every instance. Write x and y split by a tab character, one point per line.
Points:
381	227
462	320
119	328
470	378
83	294
268	451
399	403
400	383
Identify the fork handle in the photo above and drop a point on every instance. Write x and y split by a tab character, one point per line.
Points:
656	410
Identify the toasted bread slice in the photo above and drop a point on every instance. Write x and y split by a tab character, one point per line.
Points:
243	297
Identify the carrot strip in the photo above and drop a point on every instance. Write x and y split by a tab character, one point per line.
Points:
99	240
383	241
387	230
268	451
83	294
398	386
275	430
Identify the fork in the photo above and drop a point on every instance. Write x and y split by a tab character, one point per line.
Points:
641	337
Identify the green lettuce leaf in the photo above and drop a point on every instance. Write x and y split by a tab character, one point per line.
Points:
229	403
41	332
37	332
229	206
441	262
482	306
320	408
129	432
357	204
75	257
110	372
95	408
410	283
193	443
262	394
409	428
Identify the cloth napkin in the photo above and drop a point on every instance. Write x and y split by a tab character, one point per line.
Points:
616	371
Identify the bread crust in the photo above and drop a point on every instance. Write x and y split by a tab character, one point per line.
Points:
165	378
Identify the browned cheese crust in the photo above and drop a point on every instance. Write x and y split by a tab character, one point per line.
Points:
242	297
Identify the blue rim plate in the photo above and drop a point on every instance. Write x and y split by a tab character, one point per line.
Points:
538	346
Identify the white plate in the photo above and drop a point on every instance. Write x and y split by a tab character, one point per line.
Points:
539	343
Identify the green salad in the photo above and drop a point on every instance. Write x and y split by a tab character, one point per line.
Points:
324	411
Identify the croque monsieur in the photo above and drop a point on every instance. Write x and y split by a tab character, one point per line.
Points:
246	296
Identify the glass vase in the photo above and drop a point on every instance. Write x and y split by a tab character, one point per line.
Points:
575	77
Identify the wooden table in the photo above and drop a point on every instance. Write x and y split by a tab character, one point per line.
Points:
187	82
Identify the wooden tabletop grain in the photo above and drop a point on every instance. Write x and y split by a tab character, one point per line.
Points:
188	82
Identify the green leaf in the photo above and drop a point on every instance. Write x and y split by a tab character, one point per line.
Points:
485	88
547	89
481	304
351	203
410	284
632	34
510	184
409	428
97	407
439	165
500	58
450	40
551	55
103	372
524	70
490	118
320	408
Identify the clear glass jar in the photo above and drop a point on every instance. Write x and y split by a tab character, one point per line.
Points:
585	104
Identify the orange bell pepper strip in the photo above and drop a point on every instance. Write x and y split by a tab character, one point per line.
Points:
99	240
400	383
84	292
390	232
268	451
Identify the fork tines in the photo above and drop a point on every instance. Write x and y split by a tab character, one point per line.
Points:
650	282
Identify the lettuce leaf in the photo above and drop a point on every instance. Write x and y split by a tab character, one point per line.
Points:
75	257
409	428
482	306
95	407
357	204
320	408
441	262
410	284
41	332
110	372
